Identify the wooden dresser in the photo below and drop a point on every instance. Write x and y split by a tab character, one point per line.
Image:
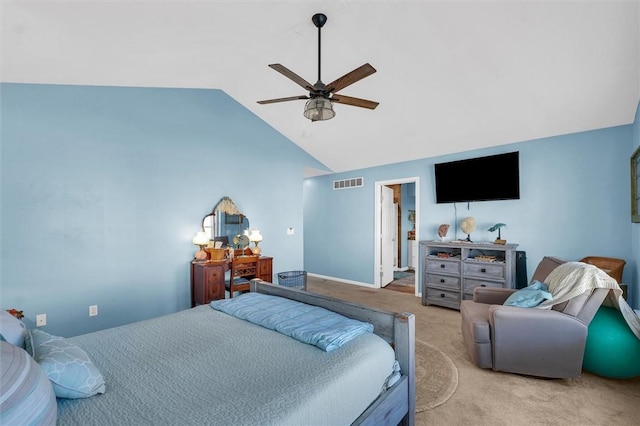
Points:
451	270
207	278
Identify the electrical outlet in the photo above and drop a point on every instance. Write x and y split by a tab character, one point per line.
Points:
93	310
41	319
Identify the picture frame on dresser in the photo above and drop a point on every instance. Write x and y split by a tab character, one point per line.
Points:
635	184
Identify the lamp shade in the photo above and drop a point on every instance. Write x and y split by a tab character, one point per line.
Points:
201	239
255	236
318	109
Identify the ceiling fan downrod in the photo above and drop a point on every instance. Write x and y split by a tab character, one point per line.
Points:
319	19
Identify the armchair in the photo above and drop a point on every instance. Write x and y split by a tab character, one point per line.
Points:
529	341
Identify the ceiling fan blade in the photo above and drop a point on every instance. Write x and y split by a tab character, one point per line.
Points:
350	78
290	98
348	100
293	76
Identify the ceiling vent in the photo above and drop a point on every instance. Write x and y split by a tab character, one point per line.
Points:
348	183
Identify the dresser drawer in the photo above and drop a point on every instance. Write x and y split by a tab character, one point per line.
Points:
484	270
443	296
213	275
443	281
265	269
443	266
469	285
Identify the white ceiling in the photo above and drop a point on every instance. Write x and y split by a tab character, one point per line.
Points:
452	76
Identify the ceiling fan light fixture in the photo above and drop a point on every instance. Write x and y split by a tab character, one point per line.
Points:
319	109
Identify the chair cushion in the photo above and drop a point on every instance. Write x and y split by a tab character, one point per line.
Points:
544	268
574	306
237	281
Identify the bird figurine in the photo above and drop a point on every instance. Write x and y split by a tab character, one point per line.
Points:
497	226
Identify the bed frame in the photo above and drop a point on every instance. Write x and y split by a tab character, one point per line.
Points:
397	404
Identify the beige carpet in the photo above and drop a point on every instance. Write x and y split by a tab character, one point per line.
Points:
484	397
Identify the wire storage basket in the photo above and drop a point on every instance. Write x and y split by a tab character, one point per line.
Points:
293	279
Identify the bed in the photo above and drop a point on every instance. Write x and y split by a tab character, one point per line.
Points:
204	366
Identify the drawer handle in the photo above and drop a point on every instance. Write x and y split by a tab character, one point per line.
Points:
441	280
483	270
442	265
441	294
483	285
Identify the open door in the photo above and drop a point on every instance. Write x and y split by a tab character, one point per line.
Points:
388	244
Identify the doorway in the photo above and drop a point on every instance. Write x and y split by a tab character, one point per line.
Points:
394	250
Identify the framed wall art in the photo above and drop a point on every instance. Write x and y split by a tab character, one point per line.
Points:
635	186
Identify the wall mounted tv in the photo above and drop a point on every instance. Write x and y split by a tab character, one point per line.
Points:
494	177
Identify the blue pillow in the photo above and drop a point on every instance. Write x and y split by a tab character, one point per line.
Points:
68	367
12	330
530	296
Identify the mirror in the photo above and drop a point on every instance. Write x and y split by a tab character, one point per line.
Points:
225	222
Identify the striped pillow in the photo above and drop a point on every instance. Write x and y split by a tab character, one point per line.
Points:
26	394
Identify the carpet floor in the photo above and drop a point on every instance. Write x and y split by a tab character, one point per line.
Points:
485	397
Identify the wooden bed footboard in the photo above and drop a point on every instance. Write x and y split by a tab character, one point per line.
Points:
397	404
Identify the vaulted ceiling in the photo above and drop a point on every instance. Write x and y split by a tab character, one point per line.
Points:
451	76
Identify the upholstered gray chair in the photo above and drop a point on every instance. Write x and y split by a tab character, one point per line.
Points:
528	341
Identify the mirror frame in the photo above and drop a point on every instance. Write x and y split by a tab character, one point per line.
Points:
227	206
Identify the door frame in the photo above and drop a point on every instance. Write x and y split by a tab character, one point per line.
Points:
378	228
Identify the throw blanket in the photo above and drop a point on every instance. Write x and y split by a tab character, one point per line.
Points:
309	324
574	278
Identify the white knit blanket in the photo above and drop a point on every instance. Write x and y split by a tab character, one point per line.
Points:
574	278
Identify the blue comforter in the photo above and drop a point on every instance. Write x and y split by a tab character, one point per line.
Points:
308	324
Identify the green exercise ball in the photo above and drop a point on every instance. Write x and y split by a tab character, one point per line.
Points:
612	349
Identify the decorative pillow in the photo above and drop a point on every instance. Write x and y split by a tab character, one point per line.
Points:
69	368
530	296
12	330
26	395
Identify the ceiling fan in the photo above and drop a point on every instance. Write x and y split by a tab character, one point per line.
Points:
321	96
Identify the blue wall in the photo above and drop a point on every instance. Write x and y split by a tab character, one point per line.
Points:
574	203
103	189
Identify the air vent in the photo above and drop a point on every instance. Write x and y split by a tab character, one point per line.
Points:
348	183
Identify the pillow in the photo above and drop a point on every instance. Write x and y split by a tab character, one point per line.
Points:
69	368
309	324
530	296
26	395
12	330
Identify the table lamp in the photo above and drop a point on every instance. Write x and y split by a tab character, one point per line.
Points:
255	237
201	239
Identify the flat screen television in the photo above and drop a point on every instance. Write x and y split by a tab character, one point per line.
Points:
494	177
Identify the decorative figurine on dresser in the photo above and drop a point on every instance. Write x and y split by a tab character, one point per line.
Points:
451	270
225	224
